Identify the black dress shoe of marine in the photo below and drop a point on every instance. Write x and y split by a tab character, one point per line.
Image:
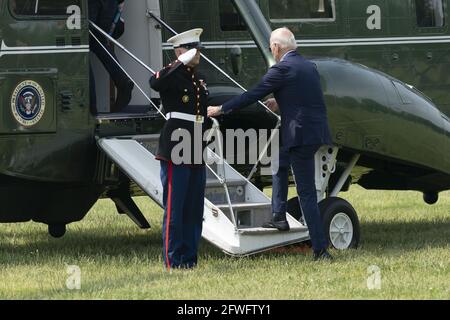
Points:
322	255
282	225
124	91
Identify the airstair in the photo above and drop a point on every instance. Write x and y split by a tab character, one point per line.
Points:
234	209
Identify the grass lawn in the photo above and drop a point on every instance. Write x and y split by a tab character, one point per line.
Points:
406	239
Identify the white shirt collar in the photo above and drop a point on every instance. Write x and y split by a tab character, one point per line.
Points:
284	56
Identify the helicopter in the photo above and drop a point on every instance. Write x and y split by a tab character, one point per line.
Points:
59	157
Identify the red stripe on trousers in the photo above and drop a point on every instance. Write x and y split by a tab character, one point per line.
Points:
169	208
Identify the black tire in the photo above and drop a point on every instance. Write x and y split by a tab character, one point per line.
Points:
337	208
431	197
57	230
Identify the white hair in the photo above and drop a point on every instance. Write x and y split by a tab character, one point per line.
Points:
285	38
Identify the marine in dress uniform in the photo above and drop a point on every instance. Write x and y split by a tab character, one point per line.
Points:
184	97
295	83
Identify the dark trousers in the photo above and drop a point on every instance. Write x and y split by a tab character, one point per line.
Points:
302	161
280	183
183	199
102	12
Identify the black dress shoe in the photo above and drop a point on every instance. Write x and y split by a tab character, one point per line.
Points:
322	255
282	225
124	91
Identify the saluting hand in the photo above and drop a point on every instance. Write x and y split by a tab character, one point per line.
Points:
188	56
214	111
272	104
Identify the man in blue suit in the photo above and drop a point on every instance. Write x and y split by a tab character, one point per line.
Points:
295	83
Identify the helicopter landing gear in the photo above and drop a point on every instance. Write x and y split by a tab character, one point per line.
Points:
431	197
57	230
341	223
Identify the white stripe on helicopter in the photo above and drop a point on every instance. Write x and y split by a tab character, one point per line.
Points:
331	42
5	50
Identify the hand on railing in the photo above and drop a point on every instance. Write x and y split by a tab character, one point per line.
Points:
214	111
272	104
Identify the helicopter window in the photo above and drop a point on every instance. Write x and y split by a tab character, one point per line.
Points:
230	19
282	11
42	7
430	13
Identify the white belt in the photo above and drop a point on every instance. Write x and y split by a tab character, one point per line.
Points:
185	116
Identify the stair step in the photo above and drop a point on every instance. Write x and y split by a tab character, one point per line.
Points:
140	165
214	183
245	205
259	231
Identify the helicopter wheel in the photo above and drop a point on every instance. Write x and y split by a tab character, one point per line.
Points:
431	197
57	230
341	223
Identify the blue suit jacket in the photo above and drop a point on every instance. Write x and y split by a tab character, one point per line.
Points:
296	86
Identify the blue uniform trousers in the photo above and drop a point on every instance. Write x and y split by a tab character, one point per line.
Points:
183	199
302	161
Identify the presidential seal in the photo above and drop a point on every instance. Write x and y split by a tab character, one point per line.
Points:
28	103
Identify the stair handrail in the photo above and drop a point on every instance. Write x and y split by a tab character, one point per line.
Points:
216	129
120	66
150	14
134	81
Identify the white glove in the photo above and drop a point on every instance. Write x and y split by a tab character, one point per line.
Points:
188	56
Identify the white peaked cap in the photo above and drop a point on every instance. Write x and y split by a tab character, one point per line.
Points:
191	36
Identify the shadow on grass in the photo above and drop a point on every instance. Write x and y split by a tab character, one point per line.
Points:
406	235
376	236
127	244
102	244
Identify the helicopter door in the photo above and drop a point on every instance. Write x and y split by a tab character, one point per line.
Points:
142	36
